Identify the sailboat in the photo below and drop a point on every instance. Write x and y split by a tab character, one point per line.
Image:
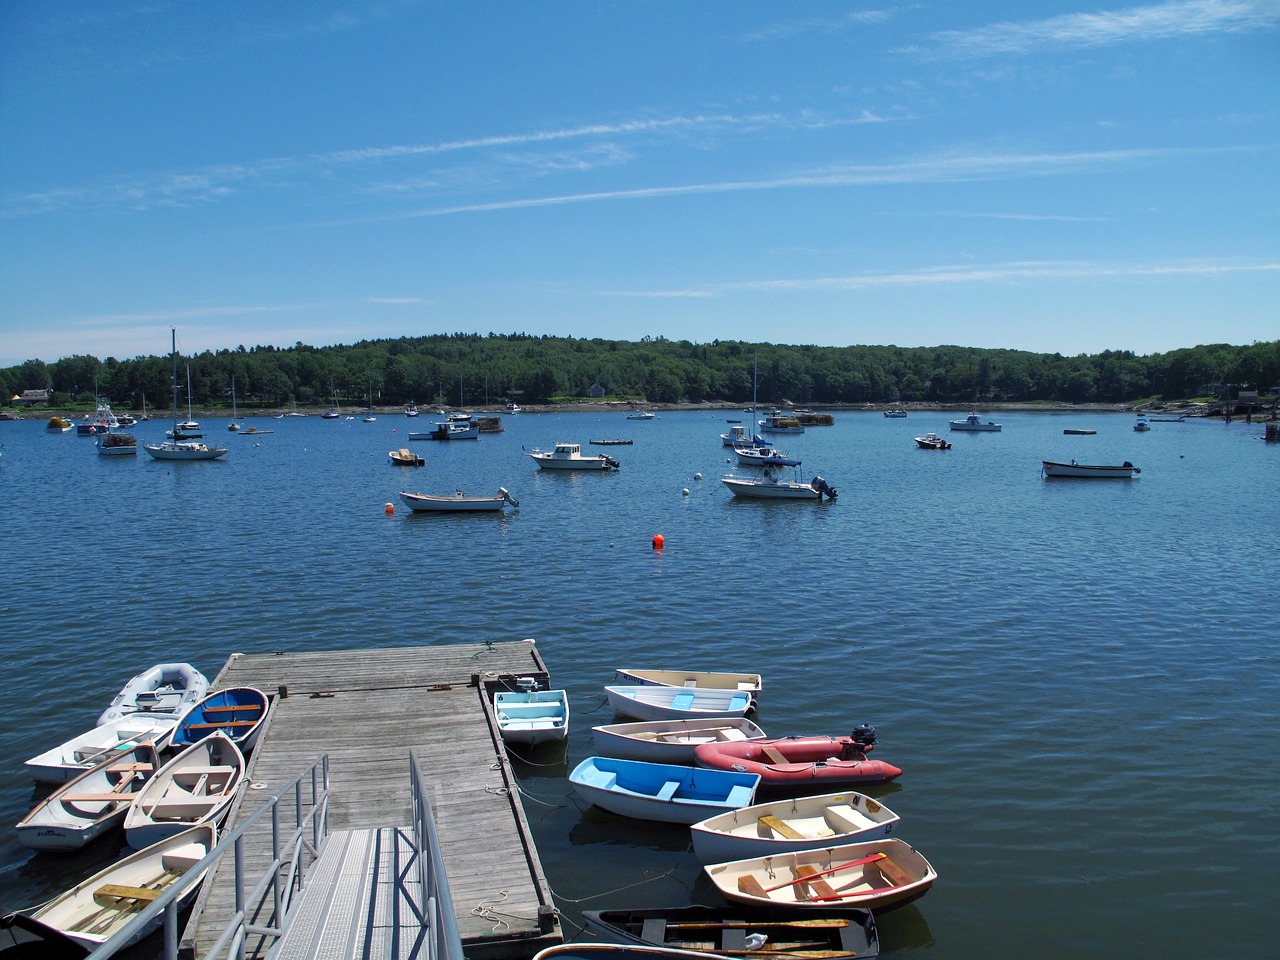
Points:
176	449
233	426
369	417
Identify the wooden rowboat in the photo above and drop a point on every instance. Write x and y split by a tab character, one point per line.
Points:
878	875
785	826
833	934
669	741
194	788
239	712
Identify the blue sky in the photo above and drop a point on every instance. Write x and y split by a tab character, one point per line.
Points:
1053	176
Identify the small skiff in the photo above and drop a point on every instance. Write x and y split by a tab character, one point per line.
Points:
931	441
614	951
1123	471
799	761
669	741
404	457
22	938
659	791
532	717
737	930
785	826
196	787
68	760
93	911
239	712
165	688
458	503
702	679
879	875
646	702
83	809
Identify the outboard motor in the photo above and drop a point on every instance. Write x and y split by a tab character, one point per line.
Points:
823	487
864	734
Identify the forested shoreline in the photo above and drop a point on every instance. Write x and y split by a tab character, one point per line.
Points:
474	369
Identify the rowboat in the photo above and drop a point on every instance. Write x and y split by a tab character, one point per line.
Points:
645	702
1123	471
22	937
800	761
614	951
702	679
533	716
196	787
83	809
239	712
879	875
669	741
94	910
165	688
659	791
785	826
70	759
737	930
458	503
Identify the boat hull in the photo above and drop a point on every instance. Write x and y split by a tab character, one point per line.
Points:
1083	471
184	450
768	489
533	717
799	761
669	741
165	688
70	759
239	712
658	791
194	788
700	679
675	703
427	503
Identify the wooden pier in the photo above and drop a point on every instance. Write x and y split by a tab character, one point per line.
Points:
366	709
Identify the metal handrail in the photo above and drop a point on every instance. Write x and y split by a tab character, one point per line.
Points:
283	880
443	940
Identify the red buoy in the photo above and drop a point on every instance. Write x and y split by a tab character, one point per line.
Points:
658	541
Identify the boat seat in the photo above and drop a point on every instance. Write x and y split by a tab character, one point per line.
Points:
234	708
191	809
188	773
733	940
845	819
815	884
682	702
602	780
731	733
751	887
218	724
654	931
95	797
668	790
893	873
130	768
774	754
746	686
740	701
740	796
781	828
116	891
183	858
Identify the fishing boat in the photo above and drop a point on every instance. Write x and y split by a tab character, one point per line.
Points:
168	688
614	442
411	409
404	457
896	414
456	427
931	441
83	809
93	911
569	456
974	424
116	737
785	826
648	702
802	761
738	930
177	448
1079	432
118	444
669	741
751	683
660	791
768	487
879	875
1141	425
532	716
641	415
58	425
458	503
777	421
738	437
1123	471
758	456
194	788
238	712
102	420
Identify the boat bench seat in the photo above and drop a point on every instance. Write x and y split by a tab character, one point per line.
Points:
817	885
731	733
191	809
95	797
844	819
116	891
218	724
191	774
234	708
894	874
740	701
183	858
781	828
532	723
683	701
601	779
740	796
668	790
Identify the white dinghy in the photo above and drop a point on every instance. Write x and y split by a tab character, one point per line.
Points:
676	703
194	788
669	741
68	760
702	679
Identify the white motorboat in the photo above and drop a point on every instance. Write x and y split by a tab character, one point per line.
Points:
1123	471
195	787
646	702
768	487
458	503
757	456
569	456
778	421
975	424
118	445
751	683
669	741
641	415
70	759
88	806
168	688
785	826
1141	425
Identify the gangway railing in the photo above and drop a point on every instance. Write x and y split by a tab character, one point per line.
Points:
278	884
443	940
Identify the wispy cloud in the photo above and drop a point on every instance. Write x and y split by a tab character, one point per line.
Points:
786	29
1161	21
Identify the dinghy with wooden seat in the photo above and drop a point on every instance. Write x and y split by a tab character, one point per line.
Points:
194	788
659	791
785	826
737	930
669	741
93	803
239	712
93	911
82	752
879	875
677	703
703	679
802	761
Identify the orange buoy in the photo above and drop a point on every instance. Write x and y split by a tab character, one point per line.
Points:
659	541
390	509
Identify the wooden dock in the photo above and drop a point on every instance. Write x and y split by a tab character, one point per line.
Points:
367	709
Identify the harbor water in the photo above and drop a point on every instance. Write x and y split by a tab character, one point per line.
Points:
1078	677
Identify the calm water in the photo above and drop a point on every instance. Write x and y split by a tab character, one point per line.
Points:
1079	678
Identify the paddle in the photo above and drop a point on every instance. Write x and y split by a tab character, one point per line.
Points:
733	925
115	747
857	893
870	858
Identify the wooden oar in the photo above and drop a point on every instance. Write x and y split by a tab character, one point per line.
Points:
765	952
115	746
832	922
870	858
858	893
116	907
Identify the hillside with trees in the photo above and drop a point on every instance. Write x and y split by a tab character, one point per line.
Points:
471	369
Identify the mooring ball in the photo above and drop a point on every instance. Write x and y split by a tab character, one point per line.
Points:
658	541
390	509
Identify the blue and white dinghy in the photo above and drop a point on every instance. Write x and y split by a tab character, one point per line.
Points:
238	712
646	702
660	791
532	716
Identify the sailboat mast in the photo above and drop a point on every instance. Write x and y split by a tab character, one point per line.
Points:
173	334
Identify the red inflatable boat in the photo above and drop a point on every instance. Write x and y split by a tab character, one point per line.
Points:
798	761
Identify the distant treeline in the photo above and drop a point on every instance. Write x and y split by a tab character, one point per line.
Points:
471	369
